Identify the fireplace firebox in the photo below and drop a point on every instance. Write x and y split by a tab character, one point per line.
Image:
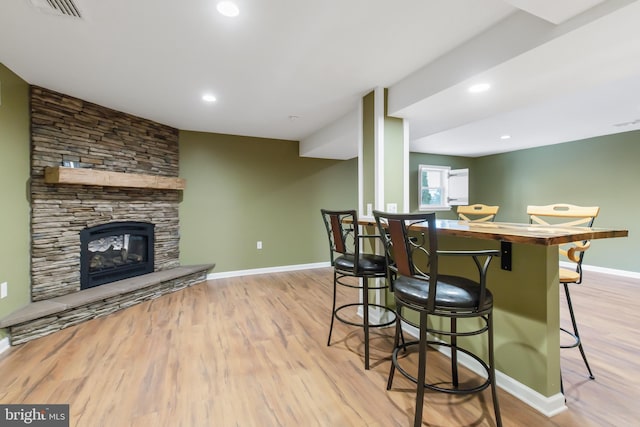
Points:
115	251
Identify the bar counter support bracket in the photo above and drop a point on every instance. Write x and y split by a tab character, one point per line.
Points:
505	255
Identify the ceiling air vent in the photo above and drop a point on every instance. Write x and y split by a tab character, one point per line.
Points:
58	7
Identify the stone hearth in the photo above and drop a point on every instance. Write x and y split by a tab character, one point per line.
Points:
45	317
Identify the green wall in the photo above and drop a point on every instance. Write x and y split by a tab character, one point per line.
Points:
241	190
14	176
600	171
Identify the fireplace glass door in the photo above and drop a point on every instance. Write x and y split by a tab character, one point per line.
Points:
115	251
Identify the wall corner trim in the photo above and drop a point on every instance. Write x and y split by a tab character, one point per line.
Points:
4	345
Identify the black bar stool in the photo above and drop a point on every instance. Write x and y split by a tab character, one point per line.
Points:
350	260
412	258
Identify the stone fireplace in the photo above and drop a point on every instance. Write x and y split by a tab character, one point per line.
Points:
115	251
66	129
103	244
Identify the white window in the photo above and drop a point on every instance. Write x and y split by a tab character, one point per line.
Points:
440	187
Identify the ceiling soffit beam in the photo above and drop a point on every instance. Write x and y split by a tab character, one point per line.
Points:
338	140
554	11
493	47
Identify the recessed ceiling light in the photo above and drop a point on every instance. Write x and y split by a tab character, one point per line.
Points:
505	137
480	87
228	8
208	98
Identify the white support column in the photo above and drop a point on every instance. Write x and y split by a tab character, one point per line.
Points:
405	168
375	314
379	147
361	208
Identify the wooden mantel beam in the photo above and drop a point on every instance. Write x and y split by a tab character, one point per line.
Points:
84	176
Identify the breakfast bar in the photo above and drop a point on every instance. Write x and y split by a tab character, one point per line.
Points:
526	298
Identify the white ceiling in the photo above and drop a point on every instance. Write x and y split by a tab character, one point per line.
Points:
550	84
297	69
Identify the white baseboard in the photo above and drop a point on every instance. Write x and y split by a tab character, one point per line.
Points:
604	270
612	271
4	345
279	269
548	406
266	270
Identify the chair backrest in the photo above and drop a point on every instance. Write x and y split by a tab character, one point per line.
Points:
477	213
563	214
407	248
342	230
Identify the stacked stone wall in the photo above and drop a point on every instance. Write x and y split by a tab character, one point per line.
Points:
64	128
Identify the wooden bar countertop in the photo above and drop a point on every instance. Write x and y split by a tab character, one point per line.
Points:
533	234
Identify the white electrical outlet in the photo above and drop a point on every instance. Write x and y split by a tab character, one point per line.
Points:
259	244
369	209
392	207
3	290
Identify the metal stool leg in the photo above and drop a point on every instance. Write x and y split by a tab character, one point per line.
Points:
454	353
422	369
576	334
492	368
396	348
365	316
333	308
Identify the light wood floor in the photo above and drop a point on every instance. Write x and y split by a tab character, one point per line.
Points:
251	351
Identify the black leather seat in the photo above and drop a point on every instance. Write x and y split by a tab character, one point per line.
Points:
350	260
452	292
411	245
